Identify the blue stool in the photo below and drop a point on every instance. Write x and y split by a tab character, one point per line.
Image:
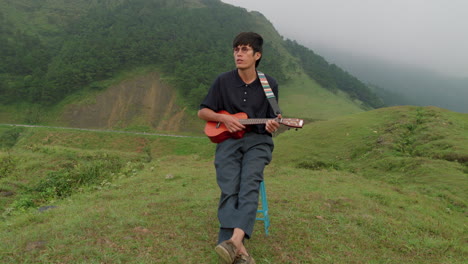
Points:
264	208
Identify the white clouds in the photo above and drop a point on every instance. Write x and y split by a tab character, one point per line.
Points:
430	33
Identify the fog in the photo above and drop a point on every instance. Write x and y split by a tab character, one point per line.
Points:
432	34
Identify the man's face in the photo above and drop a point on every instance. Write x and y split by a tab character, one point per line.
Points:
245	57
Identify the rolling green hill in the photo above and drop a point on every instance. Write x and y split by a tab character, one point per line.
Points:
383	186
398	145
59	54
355	185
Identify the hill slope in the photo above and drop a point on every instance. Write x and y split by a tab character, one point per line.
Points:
65	48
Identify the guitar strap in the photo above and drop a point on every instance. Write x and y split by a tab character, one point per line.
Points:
269	93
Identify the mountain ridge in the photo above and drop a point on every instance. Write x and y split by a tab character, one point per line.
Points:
409	84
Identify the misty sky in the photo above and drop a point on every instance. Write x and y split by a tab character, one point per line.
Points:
428	33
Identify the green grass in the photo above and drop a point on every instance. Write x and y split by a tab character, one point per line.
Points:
340	191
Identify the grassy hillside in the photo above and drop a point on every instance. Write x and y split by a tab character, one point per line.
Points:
426	148
302	97
385	186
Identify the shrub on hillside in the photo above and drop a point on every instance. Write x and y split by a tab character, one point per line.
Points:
64	182
8	138
7	165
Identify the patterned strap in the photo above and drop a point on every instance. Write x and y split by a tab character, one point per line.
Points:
268	92
266	86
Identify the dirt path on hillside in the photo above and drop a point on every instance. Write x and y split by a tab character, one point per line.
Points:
107	131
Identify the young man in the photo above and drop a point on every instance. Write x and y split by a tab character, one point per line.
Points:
240	162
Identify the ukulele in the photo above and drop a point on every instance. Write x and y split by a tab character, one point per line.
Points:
217	131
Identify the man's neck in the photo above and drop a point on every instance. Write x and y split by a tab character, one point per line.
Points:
248	75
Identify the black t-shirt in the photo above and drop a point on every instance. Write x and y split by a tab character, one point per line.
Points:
230	93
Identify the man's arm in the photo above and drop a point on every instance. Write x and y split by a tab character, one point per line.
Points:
231	122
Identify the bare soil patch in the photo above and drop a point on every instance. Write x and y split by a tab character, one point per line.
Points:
142	101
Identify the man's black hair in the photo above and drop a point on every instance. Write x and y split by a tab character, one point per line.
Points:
250	39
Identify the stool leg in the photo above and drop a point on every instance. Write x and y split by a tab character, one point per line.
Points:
264	209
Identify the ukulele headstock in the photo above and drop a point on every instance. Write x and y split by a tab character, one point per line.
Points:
292	122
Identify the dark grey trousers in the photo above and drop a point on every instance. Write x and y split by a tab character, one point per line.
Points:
239	170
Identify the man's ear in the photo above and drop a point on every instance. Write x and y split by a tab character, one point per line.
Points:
257	55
